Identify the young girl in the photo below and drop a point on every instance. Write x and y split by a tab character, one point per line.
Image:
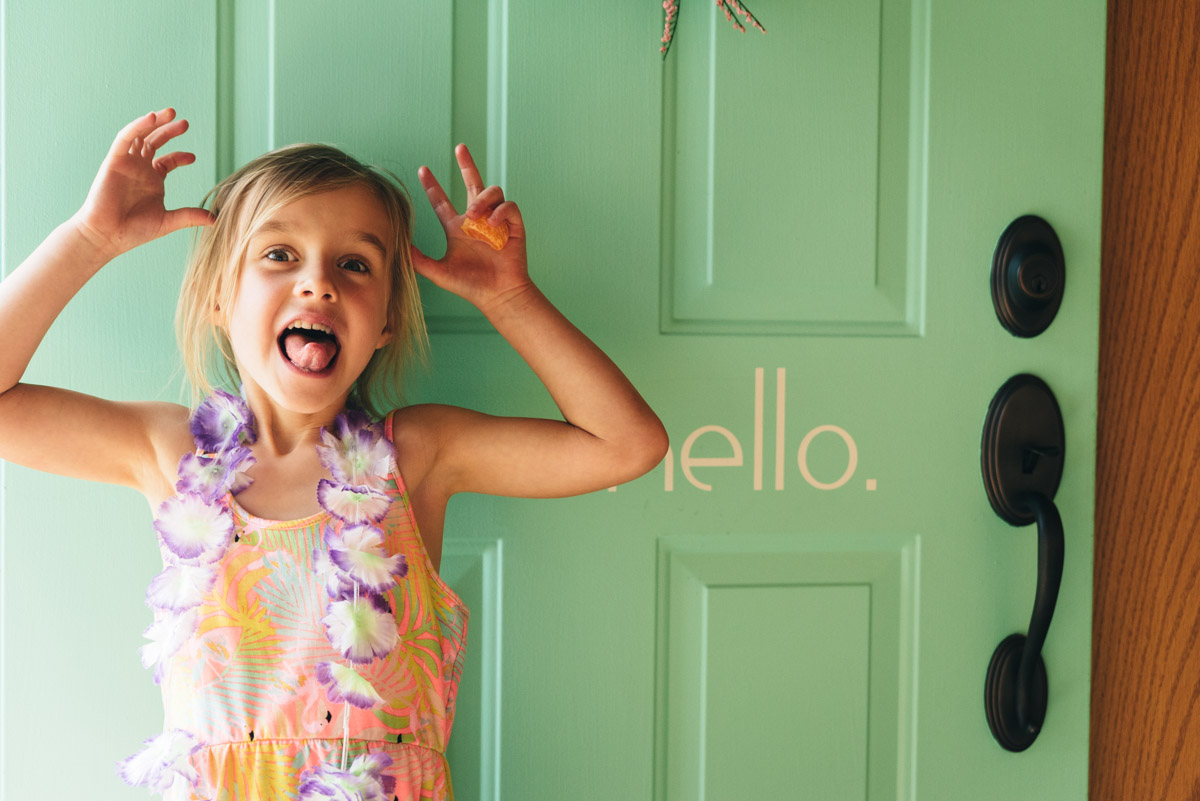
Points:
305	645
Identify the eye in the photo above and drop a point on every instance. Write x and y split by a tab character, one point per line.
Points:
355	266
278	254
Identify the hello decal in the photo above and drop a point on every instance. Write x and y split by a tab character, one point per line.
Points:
687	464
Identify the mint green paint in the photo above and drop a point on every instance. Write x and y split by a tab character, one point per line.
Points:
76	557
474	568
786	662
818	641
569	104
843	82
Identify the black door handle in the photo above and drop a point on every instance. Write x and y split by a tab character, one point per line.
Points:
1016	691
1022	459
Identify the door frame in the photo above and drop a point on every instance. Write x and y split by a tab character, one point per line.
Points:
1145	741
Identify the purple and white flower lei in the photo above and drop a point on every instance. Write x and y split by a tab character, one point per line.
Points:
196	528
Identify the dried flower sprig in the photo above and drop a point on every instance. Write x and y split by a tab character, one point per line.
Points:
733	10
670	17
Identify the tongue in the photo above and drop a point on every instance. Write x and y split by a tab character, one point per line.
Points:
309	354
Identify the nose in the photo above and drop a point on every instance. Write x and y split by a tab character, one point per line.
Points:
316	280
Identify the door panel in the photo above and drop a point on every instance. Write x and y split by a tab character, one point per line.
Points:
790	160
785	241
762	635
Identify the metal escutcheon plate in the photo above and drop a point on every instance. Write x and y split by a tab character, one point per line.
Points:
1023	445
1000	690
1028	276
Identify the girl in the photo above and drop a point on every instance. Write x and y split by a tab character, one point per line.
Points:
303	640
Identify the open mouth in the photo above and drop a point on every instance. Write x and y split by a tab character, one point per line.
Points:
311	347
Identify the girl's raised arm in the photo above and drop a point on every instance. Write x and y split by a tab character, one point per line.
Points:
100	440
608	433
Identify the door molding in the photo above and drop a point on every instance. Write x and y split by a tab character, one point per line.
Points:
1145	739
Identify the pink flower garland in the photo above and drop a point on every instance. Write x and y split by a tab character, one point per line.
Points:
732	8
196	528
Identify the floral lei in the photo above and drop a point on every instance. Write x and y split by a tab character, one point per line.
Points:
196	527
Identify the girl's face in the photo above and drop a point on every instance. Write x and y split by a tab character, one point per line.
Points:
311	303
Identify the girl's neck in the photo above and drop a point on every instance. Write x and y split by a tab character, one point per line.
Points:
281	430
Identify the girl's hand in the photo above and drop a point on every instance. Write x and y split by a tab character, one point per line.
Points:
472	269
124	207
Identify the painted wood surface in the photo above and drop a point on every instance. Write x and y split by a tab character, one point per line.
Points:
785	240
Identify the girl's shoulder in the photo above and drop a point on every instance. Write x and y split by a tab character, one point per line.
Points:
420	433
417	427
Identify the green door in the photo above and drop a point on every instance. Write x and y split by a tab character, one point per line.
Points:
786	242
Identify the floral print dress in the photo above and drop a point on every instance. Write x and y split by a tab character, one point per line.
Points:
245	685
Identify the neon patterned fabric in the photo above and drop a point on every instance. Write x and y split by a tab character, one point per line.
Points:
246	684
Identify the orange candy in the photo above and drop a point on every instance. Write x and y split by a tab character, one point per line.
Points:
481	229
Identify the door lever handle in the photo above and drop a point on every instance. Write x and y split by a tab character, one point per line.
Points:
1022	459
1016	692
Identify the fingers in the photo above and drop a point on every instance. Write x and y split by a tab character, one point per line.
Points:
143	136
164	164
186	217
481	201
484	202
161	135
139	129
134	130
429	268
442	206
508	212
470	173
420	261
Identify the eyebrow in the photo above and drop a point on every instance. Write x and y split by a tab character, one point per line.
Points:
366	237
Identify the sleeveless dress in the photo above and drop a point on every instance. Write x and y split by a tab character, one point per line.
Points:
246	686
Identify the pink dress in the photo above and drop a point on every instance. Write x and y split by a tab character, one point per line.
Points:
245	685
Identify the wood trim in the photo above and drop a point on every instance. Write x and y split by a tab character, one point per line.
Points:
1145	733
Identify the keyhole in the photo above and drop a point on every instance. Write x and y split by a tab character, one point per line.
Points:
1036	279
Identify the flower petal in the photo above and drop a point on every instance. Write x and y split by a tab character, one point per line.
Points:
362	537
343	684
161	761
181	587
353	504
327	783
338	585
222	421
374	765
359	629
358	551
167	635
195	531
212	476
356	451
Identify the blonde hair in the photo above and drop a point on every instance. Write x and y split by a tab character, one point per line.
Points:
241	203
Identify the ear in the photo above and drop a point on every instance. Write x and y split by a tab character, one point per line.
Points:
384	338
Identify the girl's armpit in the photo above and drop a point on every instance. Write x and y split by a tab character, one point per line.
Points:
136	445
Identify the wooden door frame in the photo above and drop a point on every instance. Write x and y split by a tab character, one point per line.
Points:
1145	739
